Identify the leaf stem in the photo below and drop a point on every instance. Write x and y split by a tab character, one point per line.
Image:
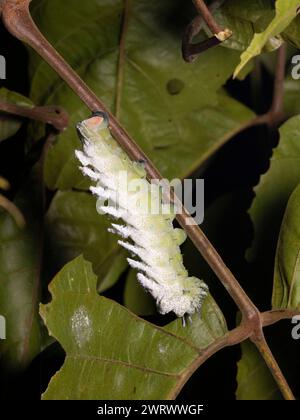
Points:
191	51
266	353
207	16
13	210
276	111
275	116
54	115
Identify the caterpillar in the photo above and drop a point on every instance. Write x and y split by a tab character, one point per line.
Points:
149	236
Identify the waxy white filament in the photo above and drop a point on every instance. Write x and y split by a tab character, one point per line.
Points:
151	238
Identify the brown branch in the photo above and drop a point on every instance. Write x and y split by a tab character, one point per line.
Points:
276	315
232	338
204	11
4	184
18	21
191	51
275	116
54	115
237	336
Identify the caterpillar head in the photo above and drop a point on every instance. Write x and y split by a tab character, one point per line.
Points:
93	125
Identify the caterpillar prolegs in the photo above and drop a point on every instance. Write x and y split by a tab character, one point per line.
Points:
148	235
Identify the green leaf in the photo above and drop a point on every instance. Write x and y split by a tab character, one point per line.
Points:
136	299
179	129
8	124
255	381
243	18
273	192
286	11
113	354
20	258
286	290
75	227
267	212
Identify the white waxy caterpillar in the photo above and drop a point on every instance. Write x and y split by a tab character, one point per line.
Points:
149	236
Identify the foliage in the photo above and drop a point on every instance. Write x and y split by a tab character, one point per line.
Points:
189	118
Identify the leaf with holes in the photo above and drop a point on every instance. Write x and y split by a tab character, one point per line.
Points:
113	354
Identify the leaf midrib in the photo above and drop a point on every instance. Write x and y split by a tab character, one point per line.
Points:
122	363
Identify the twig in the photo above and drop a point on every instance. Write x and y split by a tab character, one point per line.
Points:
191	51
236	336
4	184
13	210
266	353
54	115
276	112
272	317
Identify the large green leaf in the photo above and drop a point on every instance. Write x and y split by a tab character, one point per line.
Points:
20	259
255	382
286	11
75	227
174	110
286	290
8	124
273	192
113	354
